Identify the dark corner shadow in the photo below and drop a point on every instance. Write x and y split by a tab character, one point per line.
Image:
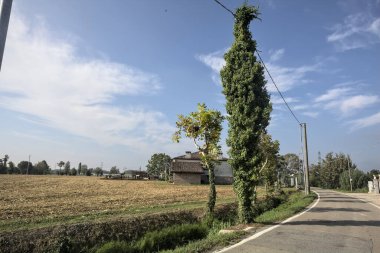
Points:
342	201
372	223
338	209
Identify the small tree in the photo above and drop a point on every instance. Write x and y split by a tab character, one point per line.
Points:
84	169
203	127
41	168
73	172
98	171
11	168
24	166
159	166
67	168
60	165
269	155
114	170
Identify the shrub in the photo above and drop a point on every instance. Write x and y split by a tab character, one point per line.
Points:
116	247
167	238
171	237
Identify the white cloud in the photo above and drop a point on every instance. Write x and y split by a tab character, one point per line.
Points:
311	114
45	78
366	121
357	31
357	102
286	78
333	94
278	100
344	101
277	54
215	61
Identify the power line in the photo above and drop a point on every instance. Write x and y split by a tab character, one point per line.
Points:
279	92
233	14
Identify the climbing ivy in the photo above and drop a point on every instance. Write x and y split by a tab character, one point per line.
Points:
248	107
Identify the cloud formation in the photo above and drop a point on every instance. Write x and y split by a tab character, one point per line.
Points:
366	121
345	101
46	78
277	54
357	31
286	78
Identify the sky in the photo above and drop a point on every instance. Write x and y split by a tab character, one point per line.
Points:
103	82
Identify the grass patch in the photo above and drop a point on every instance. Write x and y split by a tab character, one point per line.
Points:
296	203
212	241
167	238
361	190
19	224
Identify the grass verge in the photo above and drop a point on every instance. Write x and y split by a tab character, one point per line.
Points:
361	190
42	222
296	203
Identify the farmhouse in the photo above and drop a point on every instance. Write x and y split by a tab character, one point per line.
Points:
188	169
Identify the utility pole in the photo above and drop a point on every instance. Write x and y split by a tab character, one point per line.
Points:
306	159
27	168
5	13
349	171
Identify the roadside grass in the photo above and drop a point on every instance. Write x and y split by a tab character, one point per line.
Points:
360	190
20	224
296	203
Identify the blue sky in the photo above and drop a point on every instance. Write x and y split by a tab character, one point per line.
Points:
103	81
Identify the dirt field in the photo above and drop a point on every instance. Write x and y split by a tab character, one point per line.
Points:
35	199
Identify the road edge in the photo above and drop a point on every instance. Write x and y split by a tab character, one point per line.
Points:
257	235
365	201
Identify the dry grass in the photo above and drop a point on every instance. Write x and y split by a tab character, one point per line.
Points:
28	199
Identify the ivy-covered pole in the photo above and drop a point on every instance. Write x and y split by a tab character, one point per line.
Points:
203	127
248	108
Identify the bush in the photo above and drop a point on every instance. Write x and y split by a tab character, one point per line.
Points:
116	247
268	203
171	237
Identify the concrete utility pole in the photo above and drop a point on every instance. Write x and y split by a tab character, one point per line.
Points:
306	160
349	171
5	13
27	168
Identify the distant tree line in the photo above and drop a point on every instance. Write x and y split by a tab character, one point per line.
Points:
42	168
335	171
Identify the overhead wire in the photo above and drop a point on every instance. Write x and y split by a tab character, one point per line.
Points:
266	69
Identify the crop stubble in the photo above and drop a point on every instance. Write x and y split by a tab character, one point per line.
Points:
30	197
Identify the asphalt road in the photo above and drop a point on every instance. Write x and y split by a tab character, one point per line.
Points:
338	223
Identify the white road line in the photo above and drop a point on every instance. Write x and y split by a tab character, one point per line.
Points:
268	229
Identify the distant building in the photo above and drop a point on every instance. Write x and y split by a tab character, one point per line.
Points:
136	174
187	169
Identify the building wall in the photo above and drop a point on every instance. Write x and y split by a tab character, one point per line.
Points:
186	178
223	169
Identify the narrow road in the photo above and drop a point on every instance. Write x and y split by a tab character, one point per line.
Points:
338	223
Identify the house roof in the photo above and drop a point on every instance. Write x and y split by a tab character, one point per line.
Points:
186	167
195	156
